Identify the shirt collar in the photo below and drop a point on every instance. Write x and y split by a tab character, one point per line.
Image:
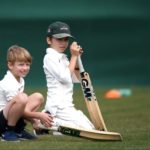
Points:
12	76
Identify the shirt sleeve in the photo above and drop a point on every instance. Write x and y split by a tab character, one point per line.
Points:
12	89
10	95
9	92
75	79
57	69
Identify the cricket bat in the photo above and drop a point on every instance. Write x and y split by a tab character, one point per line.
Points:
84	133
90	99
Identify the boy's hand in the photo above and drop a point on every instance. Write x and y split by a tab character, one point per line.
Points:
75	49
46	119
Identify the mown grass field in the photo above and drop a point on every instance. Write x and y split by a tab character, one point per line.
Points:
128	116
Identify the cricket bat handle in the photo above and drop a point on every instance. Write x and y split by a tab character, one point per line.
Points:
81	68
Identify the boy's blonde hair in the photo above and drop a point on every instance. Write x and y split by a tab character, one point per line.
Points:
17	53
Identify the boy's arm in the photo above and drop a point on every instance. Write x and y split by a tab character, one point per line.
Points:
72	63
45	118
77	74
75	51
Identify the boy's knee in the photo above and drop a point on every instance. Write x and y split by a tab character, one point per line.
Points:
22	98
39	97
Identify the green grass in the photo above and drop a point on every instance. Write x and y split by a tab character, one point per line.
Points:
128	116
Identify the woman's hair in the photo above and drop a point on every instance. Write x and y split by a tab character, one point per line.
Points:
17	53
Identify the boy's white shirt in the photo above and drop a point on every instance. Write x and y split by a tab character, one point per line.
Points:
59	81
9	87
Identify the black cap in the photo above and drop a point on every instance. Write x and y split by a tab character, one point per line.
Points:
59	30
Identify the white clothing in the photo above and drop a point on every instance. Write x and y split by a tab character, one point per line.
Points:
59	81
60	90
72	117
9	87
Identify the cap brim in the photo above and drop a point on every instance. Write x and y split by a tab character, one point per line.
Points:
62	35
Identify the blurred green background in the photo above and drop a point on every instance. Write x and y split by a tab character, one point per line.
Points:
113	33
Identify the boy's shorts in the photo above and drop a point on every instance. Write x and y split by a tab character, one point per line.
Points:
3	123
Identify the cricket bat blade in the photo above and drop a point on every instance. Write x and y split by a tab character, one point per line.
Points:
90	134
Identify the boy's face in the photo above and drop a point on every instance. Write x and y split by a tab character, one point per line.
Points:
19	69
58	44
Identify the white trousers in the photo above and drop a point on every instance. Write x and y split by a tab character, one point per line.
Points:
72	117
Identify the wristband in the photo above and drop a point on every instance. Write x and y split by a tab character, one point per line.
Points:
76	68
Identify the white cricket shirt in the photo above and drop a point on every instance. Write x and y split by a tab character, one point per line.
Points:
59	81
9	87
